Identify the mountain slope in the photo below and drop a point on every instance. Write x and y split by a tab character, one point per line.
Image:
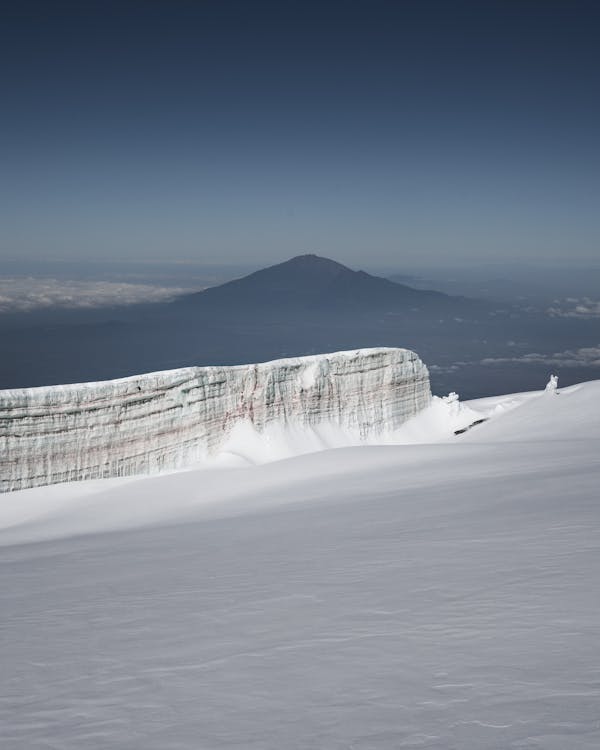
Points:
309	283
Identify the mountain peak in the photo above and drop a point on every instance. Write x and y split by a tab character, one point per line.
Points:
309	272
310	259
308	263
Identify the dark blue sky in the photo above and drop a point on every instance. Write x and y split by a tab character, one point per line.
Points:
373	132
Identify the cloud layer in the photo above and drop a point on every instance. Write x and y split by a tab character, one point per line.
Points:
27	294
588	356
573	307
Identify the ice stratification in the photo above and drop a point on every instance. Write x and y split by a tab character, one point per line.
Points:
177	418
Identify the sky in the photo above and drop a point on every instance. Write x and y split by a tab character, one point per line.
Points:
375	133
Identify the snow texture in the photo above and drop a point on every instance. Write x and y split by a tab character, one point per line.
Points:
172	419
440	596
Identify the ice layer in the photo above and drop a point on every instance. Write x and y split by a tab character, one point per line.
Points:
176	418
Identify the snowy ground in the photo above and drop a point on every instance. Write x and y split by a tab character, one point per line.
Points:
427	595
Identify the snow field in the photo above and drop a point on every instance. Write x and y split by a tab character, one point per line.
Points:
436	594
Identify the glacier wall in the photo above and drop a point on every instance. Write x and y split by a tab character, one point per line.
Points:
167	420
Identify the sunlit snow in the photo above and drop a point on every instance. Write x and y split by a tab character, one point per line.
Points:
440	593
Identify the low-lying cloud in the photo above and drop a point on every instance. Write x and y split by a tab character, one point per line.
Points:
574	307
588	356
27	294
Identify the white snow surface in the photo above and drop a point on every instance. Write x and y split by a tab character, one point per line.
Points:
439	593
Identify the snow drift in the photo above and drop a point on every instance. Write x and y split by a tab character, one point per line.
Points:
176	418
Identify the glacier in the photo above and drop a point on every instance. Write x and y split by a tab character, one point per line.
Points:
173	419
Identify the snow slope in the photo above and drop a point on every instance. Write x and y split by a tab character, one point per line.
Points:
425	595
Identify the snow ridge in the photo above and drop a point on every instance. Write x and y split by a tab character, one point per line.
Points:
176	418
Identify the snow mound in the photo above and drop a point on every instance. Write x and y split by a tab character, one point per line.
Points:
99	505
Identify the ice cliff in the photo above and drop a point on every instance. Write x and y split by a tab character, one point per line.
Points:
172	419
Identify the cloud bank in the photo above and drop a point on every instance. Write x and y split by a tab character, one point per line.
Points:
573	307
588	356
27	294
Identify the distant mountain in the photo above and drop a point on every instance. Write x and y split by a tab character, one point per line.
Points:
309	283
307	305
